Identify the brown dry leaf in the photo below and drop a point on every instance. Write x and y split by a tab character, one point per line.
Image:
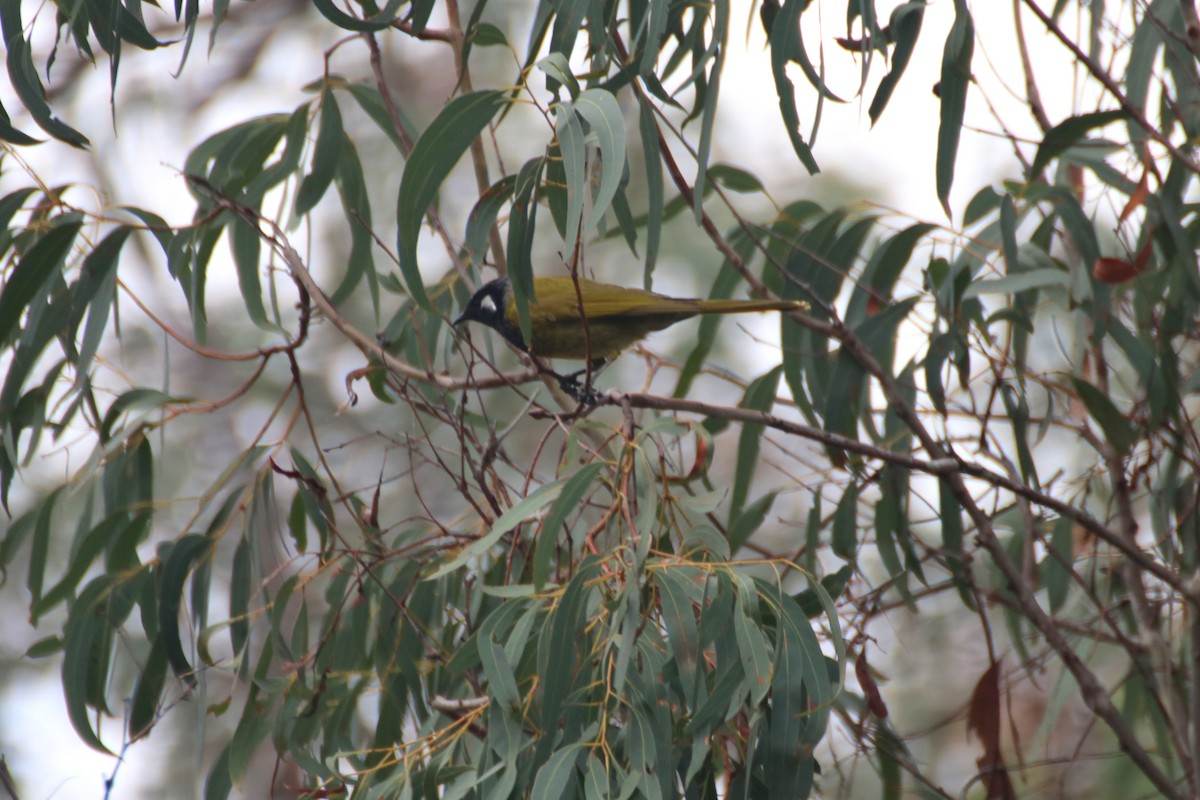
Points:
1114	270
1137	199
862	671
983	717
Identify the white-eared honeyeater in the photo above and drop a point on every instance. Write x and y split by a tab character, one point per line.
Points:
616	317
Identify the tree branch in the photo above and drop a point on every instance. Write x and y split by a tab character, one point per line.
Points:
1112	87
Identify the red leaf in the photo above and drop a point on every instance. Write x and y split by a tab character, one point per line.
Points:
983	717
1114	270
862	671
1137	198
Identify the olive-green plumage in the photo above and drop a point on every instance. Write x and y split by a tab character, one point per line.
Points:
616	317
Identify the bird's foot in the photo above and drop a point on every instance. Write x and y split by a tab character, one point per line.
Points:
584	394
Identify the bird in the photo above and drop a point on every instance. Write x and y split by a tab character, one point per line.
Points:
609	319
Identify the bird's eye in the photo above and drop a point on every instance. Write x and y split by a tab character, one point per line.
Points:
488	305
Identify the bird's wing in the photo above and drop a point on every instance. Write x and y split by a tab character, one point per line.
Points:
605	300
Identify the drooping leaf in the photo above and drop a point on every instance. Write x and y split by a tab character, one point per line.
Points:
378	21
41	263
433	156
87	634
23	76
787	45
572	492
760	396
326	153
175	570
1117	429
955	81
905	27
1066	133
603	115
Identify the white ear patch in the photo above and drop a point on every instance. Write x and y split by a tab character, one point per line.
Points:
488	305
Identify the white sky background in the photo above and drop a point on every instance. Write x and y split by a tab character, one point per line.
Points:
893	163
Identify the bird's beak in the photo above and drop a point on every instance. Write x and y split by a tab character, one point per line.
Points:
460	320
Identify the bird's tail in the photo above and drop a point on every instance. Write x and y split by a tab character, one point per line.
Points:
741	306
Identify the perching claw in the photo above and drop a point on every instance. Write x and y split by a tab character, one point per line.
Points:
587	395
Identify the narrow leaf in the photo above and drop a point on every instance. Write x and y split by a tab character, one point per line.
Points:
41	263
433	156
572	492
1117	429
956	79
174	572
1067	133
538	499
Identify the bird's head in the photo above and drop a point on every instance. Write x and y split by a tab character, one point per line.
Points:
488	306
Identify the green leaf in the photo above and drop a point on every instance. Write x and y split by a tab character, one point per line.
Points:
709	97
956	79
433	156
376	22
599	108
328	150
810	600
785	44
483	217
680	622
568	132
558	70
86	640
9	132
356	205
843	404
45	647
652	158
538	499
905	26
521	223
735	179
571	493
40	264
175	571
1118	431
136	400
1067	133
749	520
877	286
985	201
752	649
723	286
800	699
760	396
486	34
502	683
845	525
1017	409
218	784
558	775
83	555
241	587
372	104
143	708
94	293
24	78
1057	571
558	651
1039	278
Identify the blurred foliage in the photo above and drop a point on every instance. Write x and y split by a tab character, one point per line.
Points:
585	602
